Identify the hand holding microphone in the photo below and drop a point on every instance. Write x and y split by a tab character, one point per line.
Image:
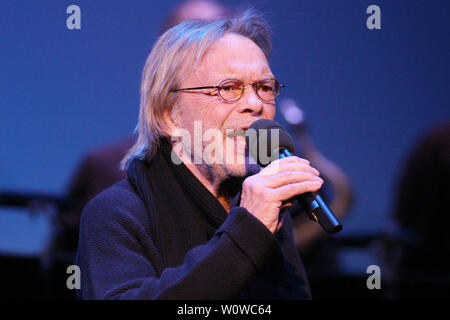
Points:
263	194
284	177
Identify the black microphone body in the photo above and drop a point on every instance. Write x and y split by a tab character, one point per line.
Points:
315	207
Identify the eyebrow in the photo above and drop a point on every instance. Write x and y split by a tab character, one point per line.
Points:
235	76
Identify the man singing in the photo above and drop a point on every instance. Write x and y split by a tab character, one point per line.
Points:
181	226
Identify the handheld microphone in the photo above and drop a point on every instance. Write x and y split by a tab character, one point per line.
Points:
268	141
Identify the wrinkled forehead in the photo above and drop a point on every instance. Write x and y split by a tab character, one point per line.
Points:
233	56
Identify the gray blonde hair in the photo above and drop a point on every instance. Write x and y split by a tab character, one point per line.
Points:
176	53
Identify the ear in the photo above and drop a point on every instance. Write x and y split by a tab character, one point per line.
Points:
170	123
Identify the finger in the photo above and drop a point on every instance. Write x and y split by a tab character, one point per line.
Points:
293	166
294	159
300	166
289	160
288	191
289	177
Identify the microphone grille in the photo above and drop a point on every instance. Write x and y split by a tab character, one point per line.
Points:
265	138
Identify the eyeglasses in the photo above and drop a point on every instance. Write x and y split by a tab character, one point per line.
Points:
232	90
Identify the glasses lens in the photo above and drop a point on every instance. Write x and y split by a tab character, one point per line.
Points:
231	90
268	90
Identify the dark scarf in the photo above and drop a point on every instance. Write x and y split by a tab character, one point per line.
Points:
183	213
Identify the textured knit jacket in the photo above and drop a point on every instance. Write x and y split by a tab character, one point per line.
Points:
160	234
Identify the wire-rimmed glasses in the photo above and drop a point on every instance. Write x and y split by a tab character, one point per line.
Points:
231	90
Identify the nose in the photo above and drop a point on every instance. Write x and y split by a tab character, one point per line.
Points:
250	103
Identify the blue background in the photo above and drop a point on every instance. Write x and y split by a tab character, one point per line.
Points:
367	94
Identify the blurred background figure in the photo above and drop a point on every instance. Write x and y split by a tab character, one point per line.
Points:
318	251
417	244
196	9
